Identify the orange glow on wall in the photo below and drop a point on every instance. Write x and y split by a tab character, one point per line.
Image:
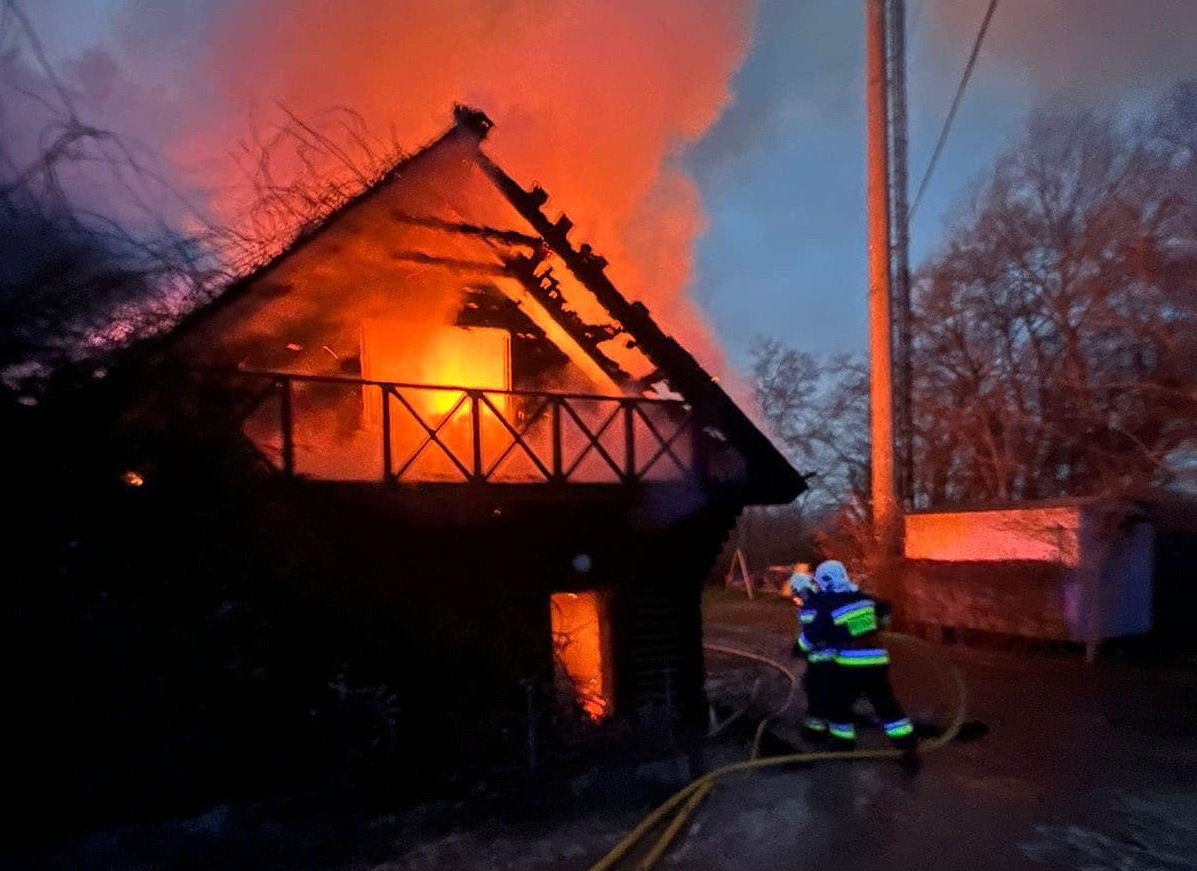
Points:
1050	534
581	646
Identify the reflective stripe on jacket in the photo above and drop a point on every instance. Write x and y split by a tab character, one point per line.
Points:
858	618
862	657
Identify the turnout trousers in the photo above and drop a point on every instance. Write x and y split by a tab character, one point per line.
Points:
819	684
852	682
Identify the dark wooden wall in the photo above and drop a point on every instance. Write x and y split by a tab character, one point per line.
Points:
448	589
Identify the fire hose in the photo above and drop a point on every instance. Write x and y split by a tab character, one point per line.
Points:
717	727
773	663
687	799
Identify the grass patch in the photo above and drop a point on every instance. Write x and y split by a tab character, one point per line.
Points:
717	595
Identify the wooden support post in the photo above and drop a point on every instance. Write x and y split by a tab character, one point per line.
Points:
476	426
629	437
555	414
286	421
387	466
738	561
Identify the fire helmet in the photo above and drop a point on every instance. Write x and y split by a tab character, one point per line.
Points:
801	582
832	577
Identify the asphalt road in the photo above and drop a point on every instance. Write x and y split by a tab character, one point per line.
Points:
1081	767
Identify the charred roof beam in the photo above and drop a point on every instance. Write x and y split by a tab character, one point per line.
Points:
474	120
490	234
545	289
453	264
699	387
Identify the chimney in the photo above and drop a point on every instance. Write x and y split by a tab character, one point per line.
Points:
474	120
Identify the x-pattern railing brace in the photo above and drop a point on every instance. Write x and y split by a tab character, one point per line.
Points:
433	434
592	439
518	439
666	444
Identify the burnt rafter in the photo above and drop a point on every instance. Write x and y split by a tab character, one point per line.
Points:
601	332
490	234
532	351
453	264
653	378
546	290
685	372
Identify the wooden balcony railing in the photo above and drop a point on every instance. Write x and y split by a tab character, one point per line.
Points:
340	428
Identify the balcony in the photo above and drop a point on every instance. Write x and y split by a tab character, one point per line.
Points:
322	427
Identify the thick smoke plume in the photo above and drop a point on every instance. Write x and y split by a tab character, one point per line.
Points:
594	100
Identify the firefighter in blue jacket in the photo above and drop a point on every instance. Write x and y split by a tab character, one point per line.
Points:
850	620
811	644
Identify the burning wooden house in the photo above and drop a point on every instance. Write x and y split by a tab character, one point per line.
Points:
481	455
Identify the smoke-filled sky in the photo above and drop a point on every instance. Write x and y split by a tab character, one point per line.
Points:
713	150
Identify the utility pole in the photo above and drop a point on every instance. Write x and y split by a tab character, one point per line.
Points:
881	422
900	217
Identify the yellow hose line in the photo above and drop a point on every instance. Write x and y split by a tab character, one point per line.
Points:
715	730
658	849
693	793
760	733
764	724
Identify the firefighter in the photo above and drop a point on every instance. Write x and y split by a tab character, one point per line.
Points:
850	621
818	682
801	583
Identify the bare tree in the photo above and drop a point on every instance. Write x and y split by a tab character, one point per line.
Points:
1052	354
294	175
785	382
1055	333
76	278
817	409
81	280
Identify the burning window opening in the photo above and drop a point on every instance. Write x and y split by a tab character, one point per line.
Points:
455	357
580	625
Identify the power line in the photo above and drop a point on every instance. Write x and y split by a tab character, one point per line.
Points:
947	124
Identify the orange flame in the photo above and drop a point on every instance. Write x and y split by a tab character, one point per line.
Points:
447	356
579	634
592	99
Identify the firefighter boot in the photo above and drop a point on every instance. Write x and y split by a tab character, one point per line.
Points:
843	737
814	731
